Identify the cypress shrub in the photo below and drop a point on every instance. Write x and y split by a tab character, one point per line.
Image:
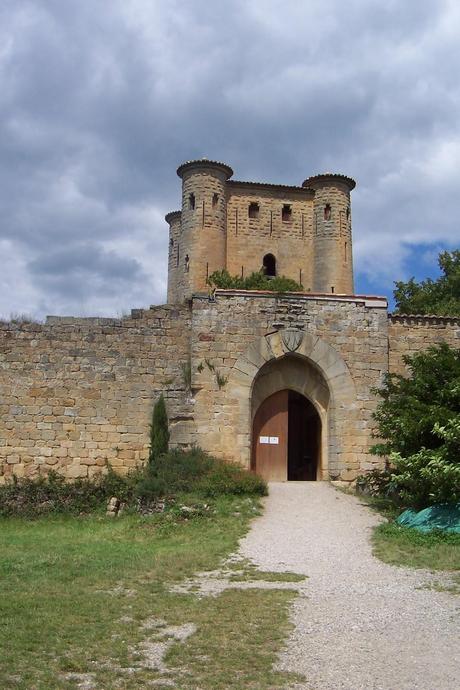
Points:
159	432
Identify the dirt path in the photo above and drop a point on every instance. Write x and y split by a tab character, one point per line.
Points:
362	624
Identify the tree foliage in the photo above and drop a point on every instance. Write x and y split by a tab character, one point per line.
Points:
255	281
159	432
419	426
441	296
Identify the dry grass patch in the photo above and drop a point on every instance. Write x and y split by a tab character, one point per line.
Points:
86	604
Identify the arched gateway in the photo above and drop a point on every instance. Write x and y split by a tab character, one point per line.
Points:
298	401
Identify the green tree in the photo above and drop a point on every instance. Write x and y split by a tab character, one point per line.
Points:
418	421
159	432
441	296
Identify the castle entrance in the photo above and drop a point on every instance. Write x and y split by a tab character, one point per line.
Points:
286	443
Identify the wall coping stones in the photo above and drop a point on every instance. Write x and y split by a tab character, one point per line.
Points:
368	300
423	318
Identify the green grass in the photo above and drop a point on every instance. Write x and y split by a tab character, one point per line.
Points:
408	547
75	593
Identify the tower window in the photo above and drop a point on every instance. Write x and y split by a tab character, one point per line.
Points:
215	199
269	265
327	212
171	242
253	210
191	202
187	263
348	213
286	213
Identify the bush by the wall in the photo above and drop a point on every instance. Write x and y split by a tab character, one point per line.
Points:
374	483
195	471
177	472
53	494
430	476
419	426
255	281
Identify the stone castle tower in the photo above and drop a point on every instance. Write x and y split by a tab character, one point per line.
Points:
303	233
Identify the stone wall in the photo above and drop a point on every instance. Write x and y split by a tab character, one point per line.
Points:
233	337
250	239
410	334
78	393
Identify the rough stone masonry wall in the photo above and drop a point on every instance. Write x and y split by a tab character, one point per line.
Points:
78	393
250	239
223	331
410	334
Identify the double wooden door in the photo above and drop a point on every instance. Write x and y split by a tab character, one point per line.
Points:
270	438
286	438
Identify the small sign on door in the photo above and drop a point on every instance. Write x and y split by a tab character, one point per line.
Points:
269	440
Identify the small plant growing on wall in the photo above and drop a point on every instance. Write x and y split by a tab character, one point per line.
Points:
159	432
221	380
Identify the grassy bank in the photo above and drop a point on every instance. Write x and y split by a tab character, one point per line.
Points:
89	596
405	546
409	548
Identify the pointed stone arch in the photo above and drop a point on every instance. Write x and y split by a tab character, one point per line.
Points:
340	415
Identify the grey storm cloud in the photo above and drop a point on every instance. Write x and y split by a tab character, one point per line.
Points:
99	103
82	260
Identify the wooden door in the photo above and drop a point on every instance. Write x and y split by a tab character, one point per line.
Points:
270	438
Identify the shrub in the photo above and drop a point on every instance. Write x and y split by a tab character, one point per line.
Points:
431	475
255	281
53	494
419	424
195	471
224	479
173	473
159	433
374	483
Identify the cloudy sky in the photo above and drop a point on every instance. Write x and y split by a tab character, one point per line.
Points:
100	100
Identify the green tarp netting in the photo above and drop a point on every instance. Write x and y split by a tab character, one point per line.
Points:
442	517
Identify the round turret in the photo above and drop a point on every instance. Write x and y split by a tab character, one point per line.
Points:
332	238
203	240
174	221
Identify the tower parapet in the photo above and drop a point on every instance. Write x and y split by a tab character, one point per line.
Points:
332	240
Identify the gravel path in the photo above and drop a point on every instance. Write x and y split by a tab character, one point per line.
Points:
362	624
